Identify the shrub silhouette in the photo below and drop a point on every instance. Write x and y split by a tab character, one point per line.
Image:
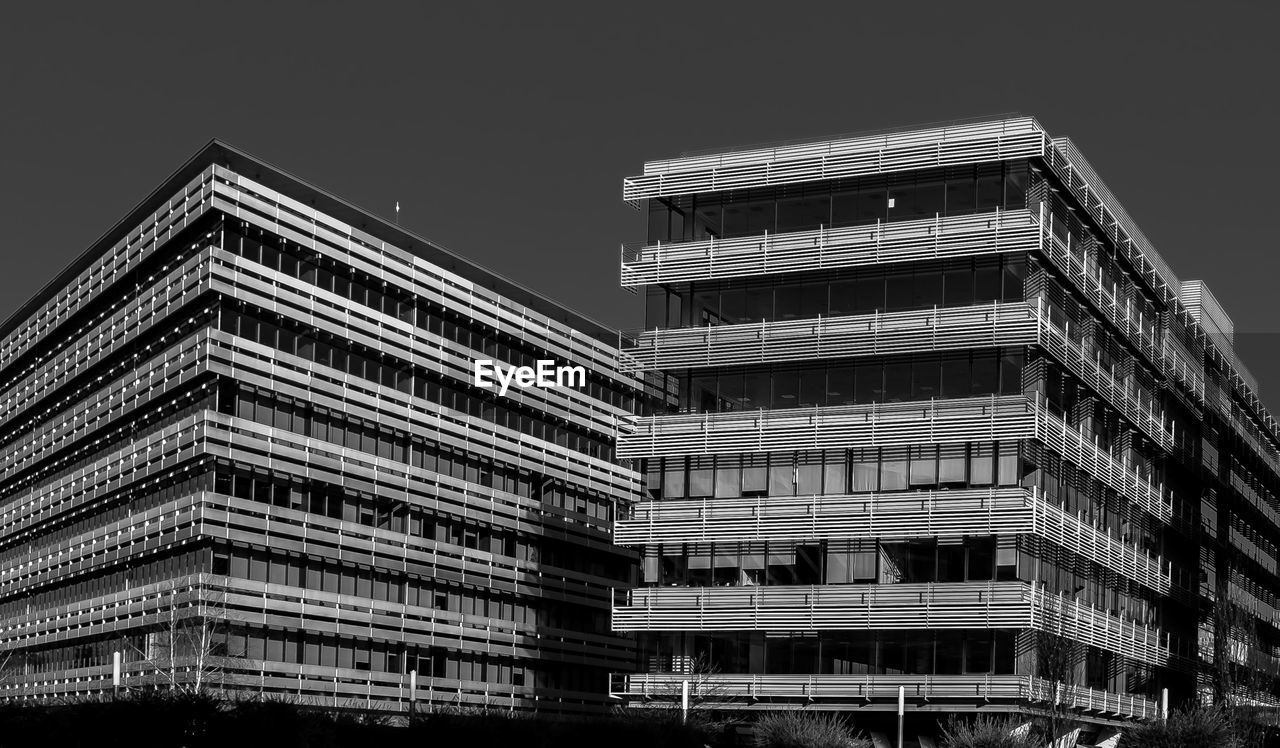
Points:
989	732
796	729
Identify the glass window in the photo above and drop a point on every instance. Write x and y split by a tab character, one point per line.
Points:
926	374
738	221
956	380
871	202
864	561
762	217
977	652
981	465
733	306
924	466
843	293
986	282
756	386
813	388
813	300
838	568
1015	271
658	230
728	478
951	561
1008	466
759	303
928	288
981	555
803	213
897	381
699	558
1011	373
1015	185
809	474
673	478
787	301
868	294
700	477
840	385
844	208
707	220
706	307
930	196
869	382
960	192
677	226
731	390
702	393
958	283
985	376
655	309
948	649
834	474
781	476
866	470
755	475
786	385
899	290
990	187
951	464
893	469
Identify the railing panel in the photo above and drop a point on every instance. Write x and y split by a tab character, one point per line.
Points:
905	151
828	248
878	334
924	514
993	418
972	692
1011	604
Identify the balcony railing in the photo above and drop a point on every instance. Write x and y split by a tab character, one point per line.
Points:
825	248
980	419
994	511
997	140
1084	274
969	692
877	334
793	608
957	420
937	329
915	606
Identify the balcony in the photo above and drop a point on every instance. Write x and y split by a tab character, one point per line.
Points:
989	418
972	692
1084	275
878	334
937	329
825	248
970	143
960	605
994	511
833	607
979	419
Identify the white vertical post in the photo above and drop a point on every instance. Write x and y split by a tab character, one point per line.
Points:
115	674
413	694
1164	704
902	699
684	701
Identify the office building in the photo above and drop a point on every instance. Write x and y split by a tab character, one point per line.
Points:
244	447
937	417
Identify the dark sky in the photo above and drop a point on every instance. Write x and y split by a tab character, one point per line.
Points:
505	130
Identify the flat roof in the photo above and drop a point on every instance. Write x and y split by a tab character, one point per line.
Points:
252	167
